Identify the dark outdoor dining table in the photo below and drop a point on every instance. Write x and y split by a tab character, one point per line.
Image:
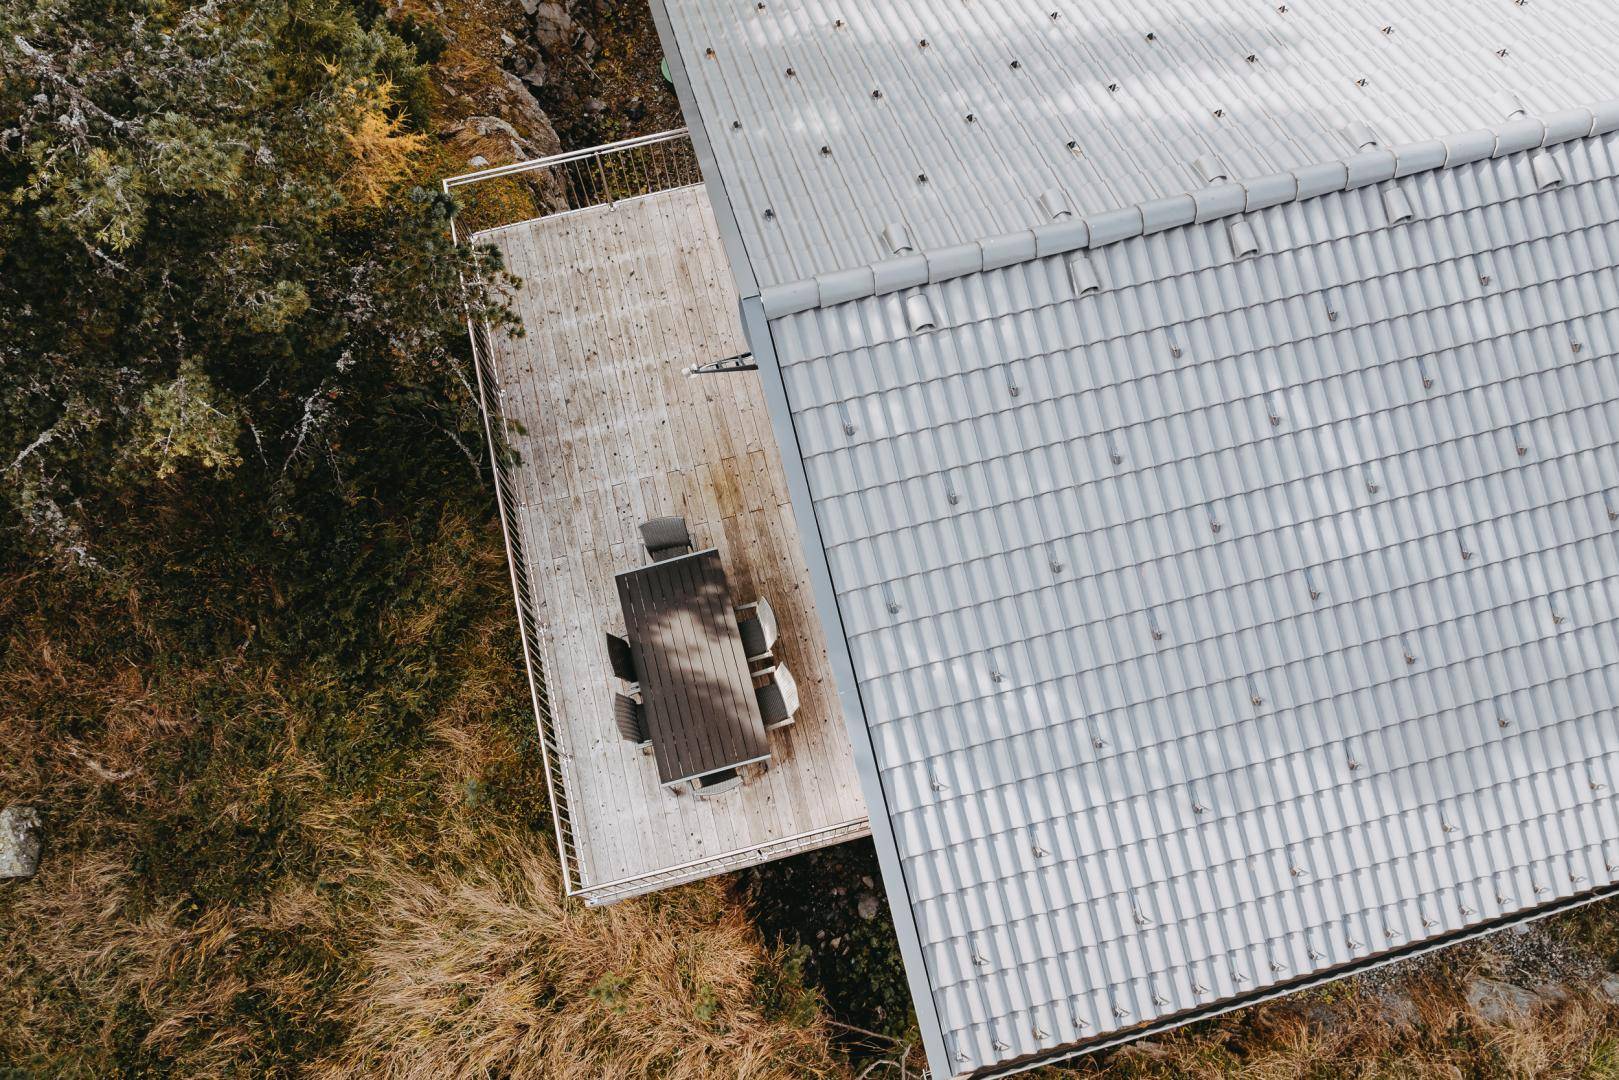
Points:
696	690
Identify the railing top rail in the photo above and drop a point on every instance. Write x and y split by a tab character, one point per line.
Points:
562	159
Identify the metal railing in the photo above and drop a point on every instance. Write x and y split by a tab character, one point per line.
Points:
600	175
506	195
501	458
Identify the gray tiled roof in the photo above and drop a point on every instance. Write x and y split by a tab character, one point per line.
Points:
1247	618
826	116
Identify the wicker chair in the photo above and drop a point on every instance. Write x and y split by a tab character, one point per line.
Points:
631	720
778	698
716	783
666	538
760	631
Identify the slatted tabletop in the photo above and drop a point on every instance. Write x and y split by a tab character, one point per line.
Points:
698	696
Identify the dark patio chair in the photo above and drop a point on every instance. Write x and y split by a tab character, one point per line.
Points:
778	698
757	622
666	538
716	783
622	659
631	720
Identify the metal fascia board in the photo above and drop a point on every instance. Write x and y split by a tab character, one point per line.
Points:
757	330
724	213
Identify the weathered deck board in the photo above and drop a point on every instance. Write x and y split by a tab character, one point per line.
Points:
617	302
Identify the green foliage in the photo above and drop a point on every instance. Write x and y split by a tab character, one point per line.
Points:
611	990
211	261
705	1004
428	40
780	991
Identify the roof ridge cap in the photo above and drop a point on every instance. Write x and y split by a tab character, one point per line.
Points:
1516	135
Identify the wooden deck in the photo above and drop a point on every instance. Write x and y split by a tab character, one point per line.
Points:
617	302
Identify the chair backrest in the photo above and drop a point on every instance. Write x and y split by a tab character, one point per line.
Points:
789	687
767	622
628	716
666	537
620	656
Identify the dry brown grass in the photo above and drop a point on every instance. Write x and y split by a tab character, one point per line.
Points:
484	970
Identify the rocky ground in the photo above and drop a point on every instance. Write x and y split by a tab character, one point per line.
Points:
525	78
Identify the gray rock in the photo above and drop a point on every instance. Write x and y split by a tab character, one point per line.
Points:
554	28
1609	988
867	906
528	118
537	74
21	838
1497	1002
477	161
1399	1010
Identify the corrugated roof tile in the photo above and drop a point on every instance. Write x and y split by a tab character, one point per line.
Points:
1279	737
